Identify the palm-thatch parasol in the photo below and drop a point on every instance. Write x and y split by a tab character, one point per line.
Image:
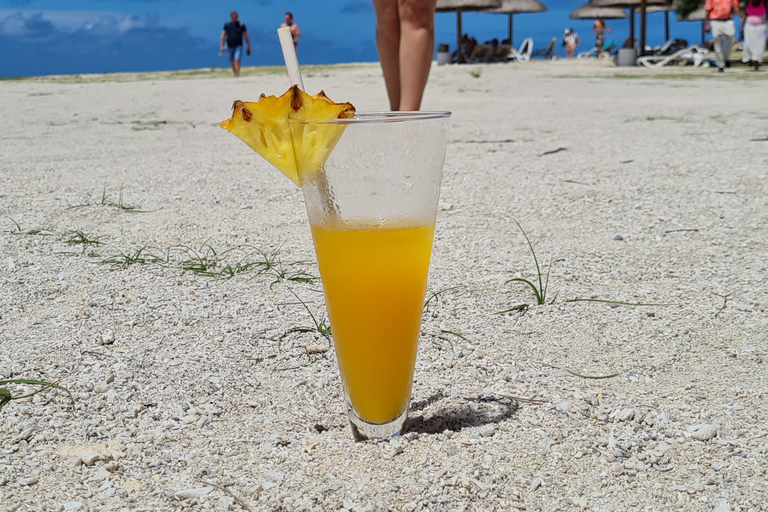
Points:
591	12
459	6
632	5
511	7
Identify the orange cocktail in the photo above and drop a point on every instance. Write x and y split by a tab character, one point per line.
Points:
374	280
372	205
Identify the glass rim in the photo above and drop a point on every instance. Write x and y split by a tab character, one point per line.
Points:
397	116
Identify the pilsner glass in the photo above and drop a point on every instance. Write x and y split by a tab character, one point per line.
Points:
372	208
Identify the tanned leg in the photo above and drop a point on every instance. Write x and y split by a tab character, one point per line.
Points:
388	46
417	43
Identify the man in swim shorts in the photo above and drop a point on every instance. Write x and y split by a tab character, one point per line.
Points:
233	34
295	32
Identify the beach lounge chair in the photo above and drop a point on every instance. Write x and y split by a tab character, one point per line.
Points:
608	49
524	53
671	46
692	55
548	52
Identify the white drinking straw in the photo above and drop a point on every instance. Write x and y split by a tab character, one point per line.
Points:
289	55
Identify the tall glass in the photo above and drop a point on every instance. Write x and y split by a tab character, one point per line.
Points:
372	208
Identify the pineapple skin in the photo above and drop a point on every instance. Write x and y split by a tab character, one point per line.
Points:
263	126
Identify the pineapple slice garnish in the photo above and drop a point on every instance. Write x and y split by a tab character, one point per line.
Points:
263	126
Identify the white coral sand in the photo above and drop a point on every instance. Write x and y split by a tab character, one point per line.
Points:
638	186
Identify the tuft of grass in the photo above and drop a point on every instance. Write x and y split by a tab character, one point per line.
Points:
80	238
6	396
201	261
140	256
270	264
518	307
577	374
436	298
476	73
107	201
321	330
540	291
618	302
444	334
19	231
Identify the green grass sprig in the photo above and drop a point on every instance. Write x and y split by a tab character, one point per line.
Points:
539	291
6	396
581	375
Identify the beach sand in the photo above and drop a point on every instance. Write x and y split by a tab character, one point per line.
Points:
637	186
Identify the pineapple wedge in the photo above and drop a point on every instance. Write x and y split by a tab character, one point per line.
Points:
263	126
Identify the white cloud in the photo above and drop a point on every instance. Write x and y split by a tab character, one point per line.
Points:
18	21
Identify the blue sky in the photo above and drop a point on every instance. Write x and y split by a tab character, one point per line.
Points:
39	37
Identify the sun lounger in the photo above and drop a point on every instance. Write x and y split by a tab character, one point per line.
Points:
548	53
524	53
691	55
608	49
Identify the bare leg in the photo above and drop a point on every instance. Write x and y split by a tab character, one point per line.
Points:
417	43
236	67
388	45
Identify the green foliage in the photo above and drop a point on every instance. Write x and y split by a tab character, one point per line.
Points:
5	394
539	291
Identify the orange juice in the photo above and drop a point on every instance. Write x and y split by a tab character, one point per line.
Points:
374	279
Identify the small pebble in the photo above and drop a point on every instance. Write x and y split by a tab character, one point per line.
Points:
199	492
705	432
107	338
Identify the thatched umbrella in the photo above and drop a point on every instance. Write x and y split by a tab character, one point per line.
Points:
459	6
592	12
511	7
632	5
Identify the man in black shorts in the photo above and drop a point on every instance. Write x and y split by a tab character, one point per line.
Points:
234	32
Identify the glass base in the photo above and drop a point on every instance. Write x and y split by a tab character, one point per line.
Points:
364	431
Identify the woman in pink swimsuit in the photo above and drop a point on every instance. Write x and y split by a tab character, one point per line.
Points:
753	26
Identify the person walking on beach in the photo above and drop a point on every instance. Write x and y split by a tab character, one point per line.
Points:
571	41
719	21
405	40
295	32
753	25
233	34
599	27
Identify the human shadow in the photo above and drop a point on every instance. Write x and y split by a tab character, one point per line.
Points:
459	412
